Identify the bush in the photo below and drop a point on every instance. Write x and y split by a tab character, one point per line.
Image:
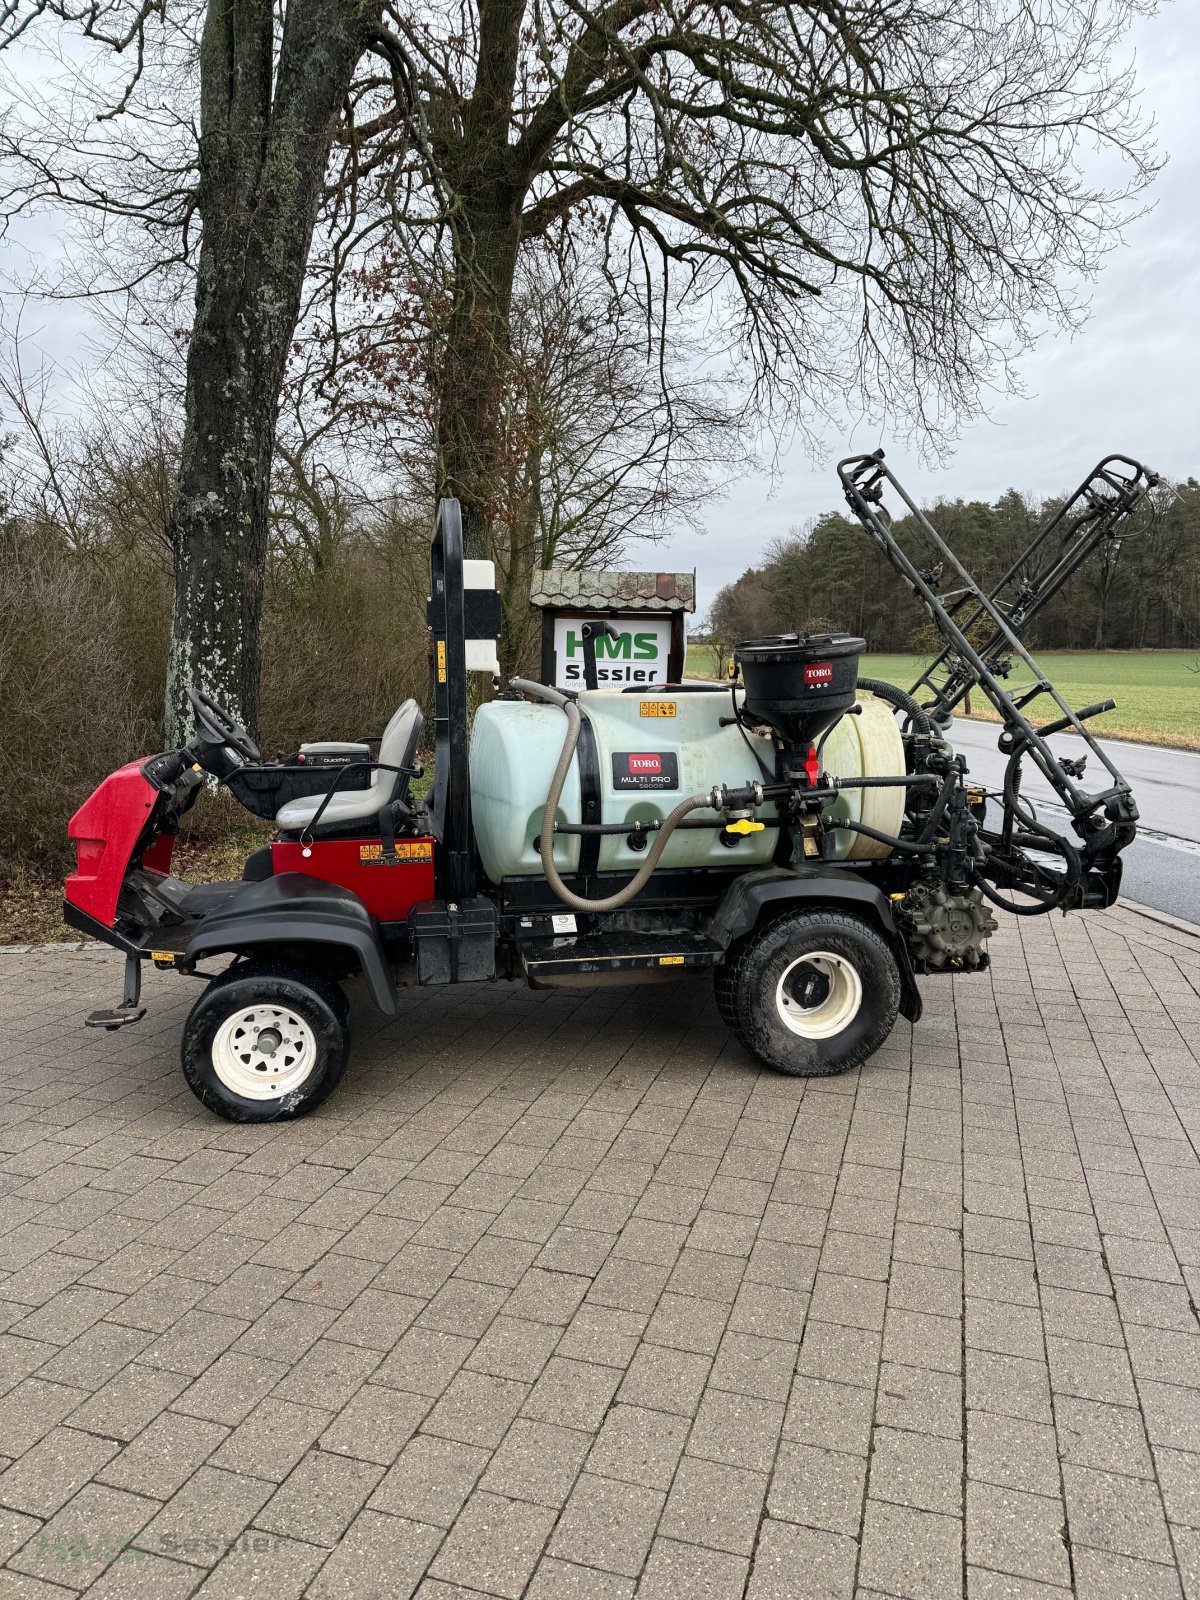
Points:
341	650
79	643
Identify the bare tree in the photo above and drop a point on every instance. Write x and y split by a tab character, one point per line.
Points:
848	194
268	101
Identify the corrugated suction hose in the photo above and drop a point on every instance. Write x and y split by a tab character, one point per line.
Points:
613	902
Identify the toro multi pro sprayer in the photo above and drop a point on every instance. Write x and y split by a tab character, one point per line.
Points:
806	833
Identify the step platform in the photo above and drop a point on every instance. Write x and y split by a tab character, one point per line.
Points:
599	954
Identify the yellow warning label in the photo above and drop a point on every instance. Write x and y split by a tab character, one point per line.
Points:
441	660
165	957
657	708
670	961
371	855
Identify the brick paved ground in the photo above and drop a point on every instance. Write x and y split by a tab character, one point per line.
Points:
559	1298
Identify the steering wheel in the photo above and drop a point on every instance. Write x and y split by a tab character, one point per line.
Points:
217	726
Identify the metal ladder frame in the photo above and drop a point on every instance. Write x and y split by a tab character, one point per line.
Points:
864	479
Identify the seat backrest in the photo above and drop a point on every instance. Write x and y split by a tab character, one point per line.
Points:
398	748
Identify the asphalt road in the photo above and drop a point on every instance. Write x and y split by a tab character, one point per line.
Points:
1162	867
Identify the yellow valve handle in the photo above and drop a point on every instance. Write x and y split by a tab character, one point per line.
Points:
744	825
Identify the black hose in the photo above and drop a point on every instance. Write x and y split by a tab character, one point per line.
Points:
903	701
905	845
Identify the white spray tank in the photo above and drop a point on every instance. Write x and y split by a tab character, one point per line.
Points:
644	752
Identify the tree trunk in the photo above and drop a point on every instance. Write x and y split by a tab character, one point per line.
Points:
264	147
475	377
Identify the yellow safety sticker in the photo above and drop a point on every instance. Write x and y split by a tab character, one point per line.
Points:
165	958
670	961
656	708
371	855
441	660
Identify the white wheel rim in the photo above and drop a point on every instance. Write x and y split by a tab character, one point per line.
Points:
264	1052
818	995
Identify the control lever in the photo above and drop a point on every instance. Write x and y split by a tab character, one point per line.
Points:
589	631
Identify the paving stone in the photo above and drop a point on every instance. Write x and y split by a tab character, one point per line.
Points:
575	1394
686	1572
1179	1479
476	1408
31	1409
328	1374
128	1402
835	1415
608	1525
920	1398
820	1488
271	1440
917	1470
714	1504
827	1561
85	1536
206	1516
1012	1452
565	1580
1109	1438
642	1283
1124	1515
1101	1575
665	1379
320	1498
432	1478
231	1388
376	1424
637	1445
1011	1531
494	1544
915	1555
377	1555
603	1335
513	1347
56	1468
164	1456
137	1575
738	1429
424	1361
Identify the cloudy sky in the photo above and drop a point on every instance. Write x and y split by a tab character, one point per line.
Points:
1130	382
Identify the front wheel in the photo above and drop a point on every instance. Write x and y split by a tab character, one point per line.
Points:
811	994
266	1042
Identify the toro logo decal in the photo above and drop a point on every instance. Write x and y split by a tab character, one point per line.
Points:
645	769
818	674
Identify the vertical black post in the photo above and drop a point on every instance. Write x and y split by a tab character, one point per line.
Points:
452	784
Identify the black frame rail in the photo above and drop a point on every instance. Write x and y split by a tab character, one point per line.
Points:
451	786
864	479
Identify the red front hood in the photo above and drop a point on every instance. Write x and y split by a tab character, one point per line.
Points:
105	831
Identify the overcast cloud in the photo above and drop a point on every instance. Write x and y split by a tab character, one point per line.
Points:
1129	382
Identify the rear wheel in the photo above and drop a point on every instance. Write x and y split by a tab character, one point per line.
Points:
265	1042
811	994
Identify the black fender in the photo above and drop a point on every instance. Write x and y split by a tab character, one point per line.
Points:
291	908
778	888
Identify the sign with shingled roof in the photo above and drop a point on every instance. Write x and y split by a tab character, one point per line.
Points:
647	610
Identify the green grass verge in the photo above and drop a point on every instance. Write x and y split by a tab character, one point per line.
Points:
1157	691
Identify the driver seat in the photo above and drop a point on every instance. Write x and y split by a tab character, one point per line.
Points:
349	809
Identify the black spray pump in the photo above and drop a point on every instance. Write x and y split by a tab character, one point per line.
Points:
799	685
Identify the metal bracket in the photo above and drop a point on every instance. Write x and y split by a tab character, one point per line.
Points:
129	1010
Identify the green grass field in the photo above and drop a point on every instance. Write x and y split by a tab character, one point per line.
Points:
1157	691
